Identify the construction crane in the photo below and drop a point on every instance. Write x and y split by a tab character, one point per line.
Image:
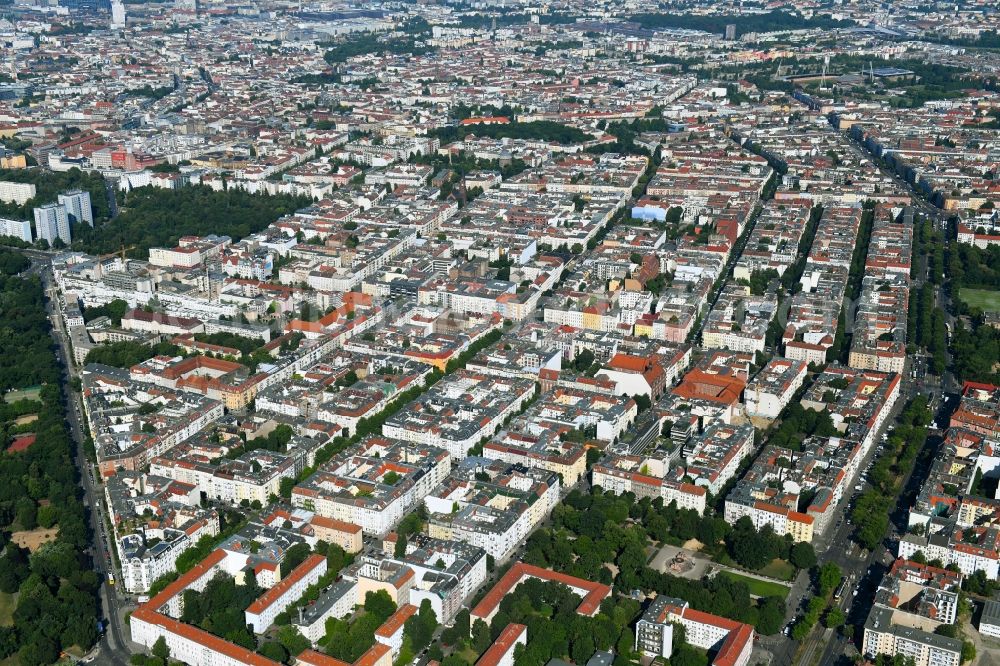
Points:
120	252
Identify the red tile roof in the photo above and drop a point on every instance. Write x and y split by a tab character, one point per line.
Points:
369	658
396	620
185	581
201	637
735	641
272	595
314	658
706	386
502	645
596	592
334	524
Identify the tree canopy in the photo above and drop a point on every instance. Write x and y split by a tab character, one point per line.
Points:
56	605
539	130
154	217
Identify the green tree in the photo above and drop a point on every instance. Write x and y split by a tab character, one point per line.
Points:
827	578
292	641
160	649
480	636
802	555
380	605
274	650
294	556
582	649
770	615
834	618
40	650
462	623
968	651
949	630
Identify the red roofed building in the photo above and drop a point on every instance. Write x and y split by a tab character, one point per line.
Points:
501	653
390	634
635	375
159	323
155	619
721	389
485	120
344	534
979	409
192	645
377	655
261	613
593	593
731	641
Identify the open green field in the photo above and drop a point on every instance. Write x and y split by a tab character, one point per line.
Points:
7	604
984	299
758	588
779	569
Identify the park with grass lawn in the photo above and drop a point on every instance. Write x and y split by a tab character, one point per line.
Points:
758	587
987	300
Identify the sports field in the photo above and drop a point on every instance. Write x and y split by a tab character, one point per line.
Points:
984	299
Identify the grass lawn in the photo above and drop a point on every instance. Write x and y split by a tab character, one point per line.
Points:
984	299
758	588
468	654
779	569
7	604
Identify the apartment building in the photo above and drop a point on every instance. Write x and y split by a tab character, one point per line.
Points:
911	601
157	618
261	613
494	507
346	535
77	205
112	408
635	375
16	193
459	411
859	401
971	548
52	223
254	476
152	553
978	409
796	492
337	601
373	484
647	476
501	652
712	457
20	229
731	641
879	341
445	573
545	450
772	388
739	319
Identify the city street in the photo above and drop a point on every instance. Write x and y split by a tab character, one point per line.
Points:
113	646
